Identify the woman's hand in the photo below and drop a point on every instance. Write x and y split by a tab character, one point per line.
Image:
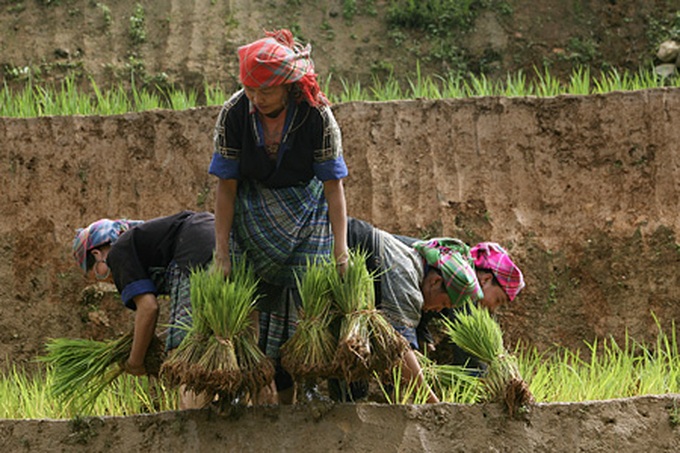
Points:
222	265
341	263
341	268
135	370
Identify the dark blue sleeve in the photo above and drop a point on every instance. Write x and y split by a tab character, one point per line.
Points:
331	169
224	168
135	289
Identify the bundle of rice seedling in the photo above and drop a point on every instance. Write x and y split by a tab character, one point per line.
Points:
479	334
219	354
367	342
83	368
181	367
231	323
455	383
257	370
309	352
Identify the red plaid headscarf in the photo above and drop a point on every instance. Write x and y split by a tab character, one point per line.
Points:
278	59
491	256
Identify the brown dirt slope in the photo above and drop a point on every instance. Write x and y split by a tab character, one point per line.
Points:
192	42
626	425
584	192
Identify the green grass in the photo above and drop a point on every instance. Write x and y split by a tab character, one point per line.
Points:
612	371
559	375
28	395
69	98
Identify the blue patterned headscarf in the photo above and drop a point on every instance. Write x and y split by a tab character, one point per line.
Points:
103	231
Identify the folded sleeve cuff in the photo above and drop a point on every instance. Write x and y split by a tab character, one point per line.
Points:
223	168
135	289
331	169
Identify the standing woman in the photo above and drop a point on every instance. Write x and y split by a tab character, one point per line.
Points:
280	198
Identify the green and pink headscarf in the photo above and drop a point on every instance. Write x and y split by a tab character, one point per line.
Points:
278	59
457	263
493	257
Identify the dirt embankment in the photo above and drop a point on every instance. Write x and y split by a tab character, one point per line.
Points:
190	43
584	191
627	425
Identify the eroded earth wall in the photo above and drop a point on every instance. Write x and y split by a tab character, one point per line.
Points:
583	190
625	425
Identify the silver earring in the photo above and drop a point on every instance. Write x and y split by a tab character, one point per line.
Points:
102	276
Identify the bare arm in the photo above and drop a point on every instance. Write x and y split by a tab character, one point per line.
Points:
145	328
411	371
224	219
337	213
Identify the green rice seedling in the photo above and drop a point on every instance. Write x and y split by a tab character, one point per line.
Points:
353	297
309	352
455	384
479	86
516	85
129	395
110	102
579	81
479	334
28	396
646	78
453	87
367	343
181	100
610	81
33	100
143	99
231	321
23	104
547	85
219	354
181	367
214	95
386	91
353	92
67	100
84	368
423	87
612	371
25	395
401	391
257	369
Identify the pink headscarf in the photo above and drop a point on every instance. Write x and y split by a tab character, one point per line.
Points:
491	256
278	59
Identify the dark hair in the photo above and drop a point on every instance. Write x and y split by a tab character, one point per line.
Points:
494	281
89	257
438	271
